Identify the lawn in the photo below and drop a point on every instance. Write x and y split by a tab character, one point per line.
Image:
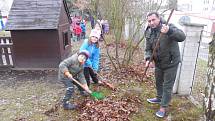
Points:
199	81
36	96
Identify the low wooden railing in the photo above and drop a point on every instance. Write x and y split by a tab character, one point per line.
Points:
6	52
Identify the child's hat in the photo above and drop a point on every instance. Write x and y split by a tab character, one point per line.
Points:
95	33
85	52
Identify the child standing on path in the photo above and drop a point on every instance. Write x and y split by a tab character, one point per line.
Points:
78	31
69	69
92	63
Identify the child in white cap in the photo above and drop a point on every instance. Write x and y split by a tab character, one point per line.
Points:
92	63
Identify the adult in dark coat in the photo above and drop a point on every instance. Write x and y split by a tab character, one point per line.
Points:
92	21
166	58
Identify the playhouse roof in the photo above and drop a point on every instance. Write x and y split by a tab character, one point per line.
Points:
34	14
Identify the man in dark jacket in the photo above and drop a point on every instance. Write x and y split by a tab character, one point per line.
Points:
166	58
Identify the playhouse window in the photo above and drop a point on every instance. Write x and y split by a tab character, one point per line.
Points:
65	39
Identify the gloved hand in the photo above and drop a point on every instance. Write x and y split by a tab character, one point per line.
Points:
164	29
70	76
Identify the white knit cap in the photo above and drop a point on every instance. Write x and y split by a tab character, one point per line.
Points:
95	33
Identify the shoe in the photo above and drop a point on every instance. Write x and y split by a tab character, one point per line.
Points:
161	113
84	93
99	83
154	100
69	106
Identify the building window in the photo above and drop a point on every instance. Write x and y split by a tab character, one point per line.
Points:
65	39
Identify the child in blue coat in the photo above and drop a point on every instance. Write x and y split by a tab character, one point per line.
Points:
83	28
92	63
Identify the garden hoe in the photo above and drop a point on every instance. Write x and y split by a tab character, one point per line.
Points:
96	95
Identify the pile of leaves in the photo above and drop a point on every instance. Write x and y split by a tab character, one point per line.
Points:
134	73
109	109
115	107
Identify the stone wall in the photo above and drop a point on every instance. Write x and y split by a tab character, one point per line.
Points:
189	55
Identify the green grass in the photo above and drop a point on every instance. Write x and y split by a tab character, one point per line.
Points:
200	80
31	100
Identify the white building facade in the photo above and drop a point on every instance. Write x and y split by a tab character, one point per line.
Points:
5	6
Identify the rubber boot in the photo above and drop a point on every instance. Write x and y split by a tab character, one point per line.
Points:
69	106
84	93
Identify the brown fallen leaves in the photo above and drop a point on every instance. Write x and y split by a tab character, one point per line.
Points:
134	73
119	105
109	109
114	108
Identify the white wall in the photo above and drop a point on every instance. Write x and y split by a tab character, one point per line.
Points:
5	6
185	79
194	17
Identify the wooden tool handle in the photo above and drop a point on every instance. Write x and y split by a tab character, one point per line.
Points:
157	44
87	90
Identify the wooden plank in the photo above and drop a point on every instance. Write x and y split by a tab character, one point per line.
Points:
26	14
51	18
11	52
24	27
6	54
6	58
5	67
1	60
3	42
38	12
9	38
6	45
32	24
33	27
34	10
36	3
18	21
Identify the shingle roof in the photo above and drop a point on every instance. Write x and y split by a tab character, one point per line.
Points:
34	14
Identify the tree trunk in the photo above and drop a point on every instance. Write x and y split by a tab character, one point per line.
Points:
209	102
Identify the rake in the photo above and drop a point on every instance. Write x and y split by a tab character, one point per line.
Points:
96	95
104	82
156	45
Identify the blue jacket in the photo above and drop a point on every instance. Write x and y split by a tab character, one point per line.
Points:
83	27
93	60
